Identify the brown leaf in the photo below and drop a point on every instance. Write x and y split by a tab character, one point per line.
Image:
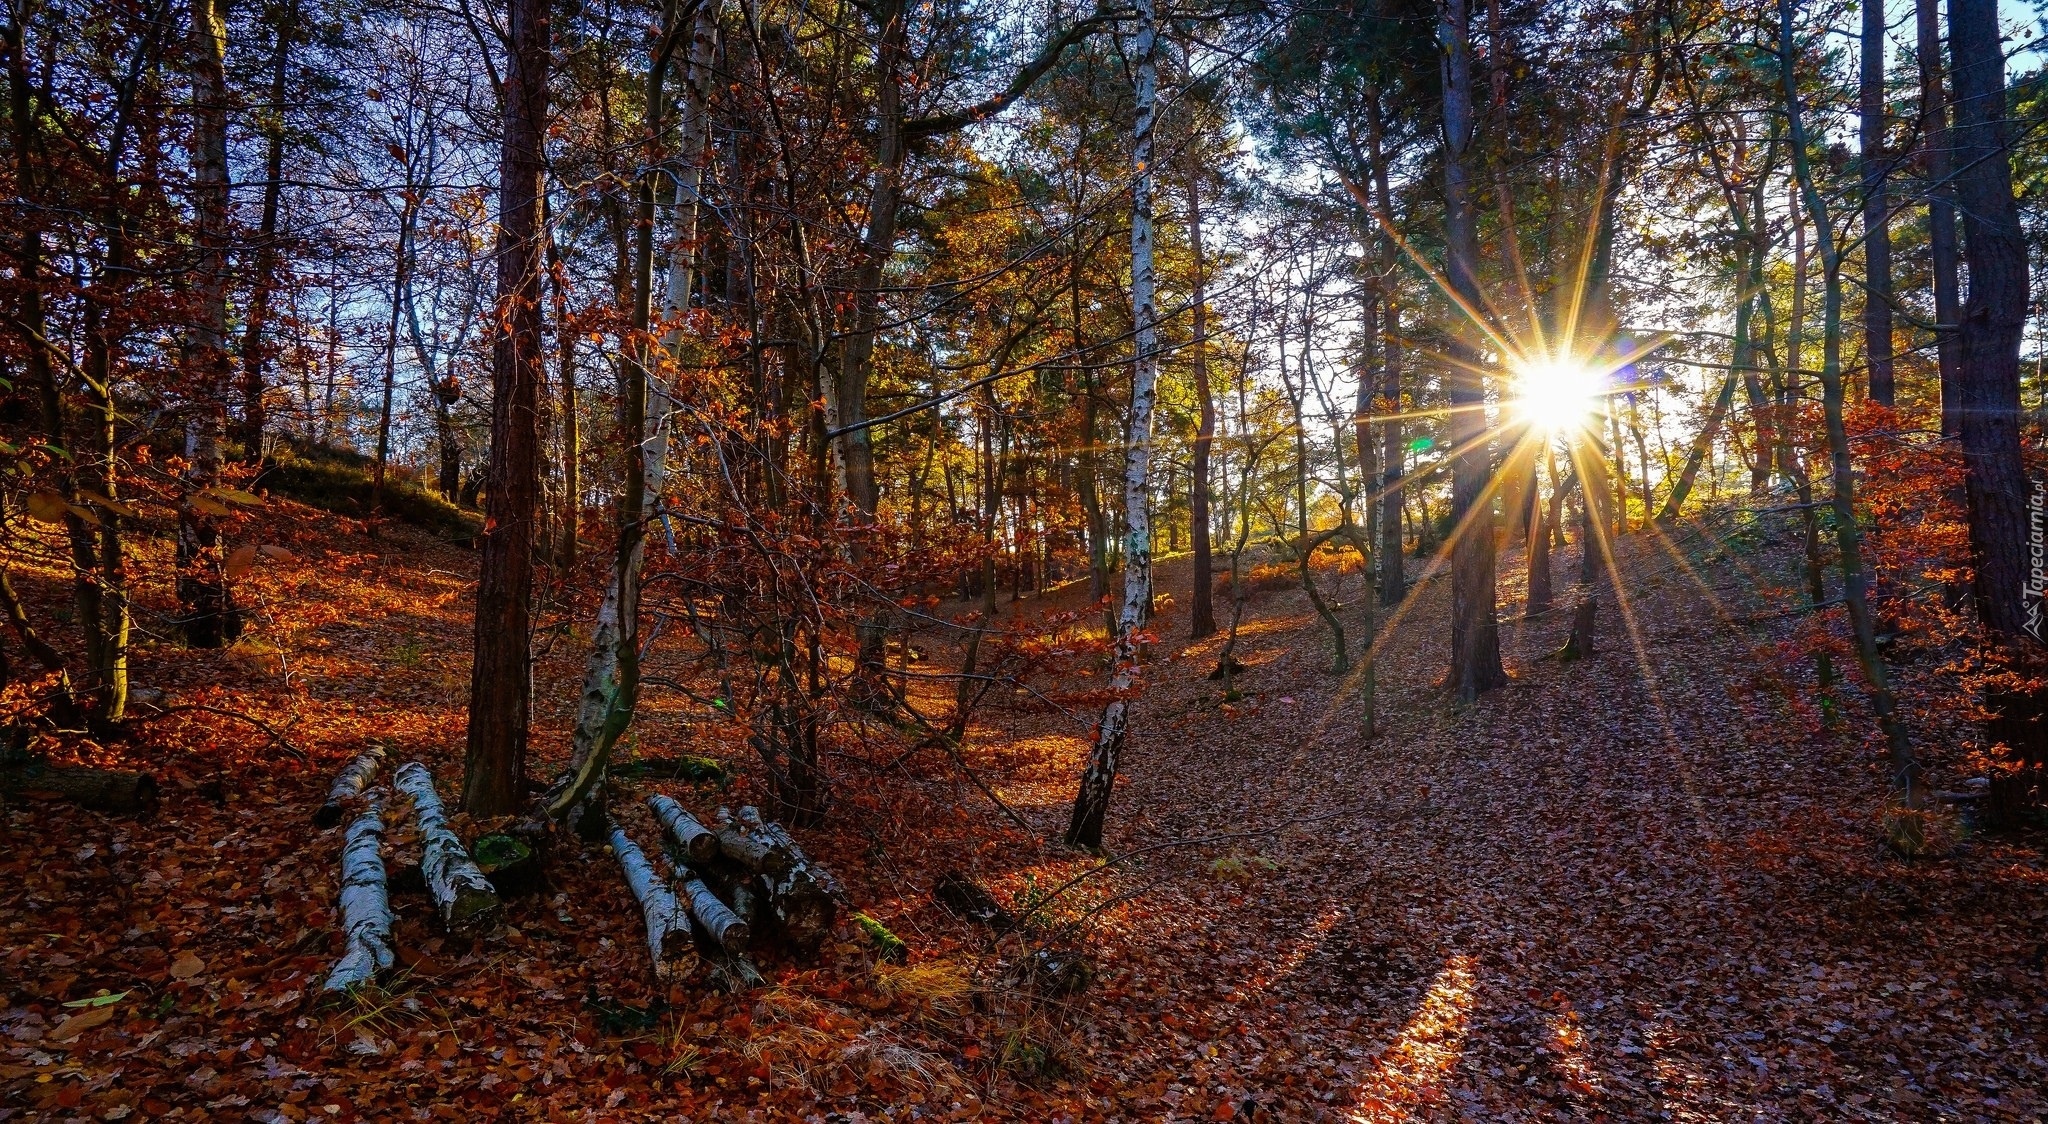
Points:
186	966
81	1022
240	561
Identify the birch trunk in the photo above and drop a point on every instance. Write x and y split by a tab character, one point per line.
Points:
611	686
206	612
693	839
365	907
464	897
1091	802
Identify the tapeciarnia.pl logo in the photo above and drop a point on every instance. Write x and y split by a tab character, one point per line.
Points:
2037	548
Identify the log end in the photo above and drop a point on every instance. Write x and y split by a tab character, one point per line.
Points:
473	908
327	816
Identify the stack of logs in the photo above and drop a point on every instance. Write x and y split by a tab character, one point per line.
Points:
743	877
731	883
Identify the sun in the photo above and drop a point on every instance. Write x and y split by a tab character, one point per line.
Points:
1557	394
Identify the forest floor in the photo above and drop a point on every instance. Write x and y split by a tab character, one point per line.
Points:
1643	886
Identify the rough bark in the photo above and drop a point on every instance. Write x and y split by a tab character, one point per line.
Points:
1091	801
464	898
1988	399
1475	630
365	905
1579	644
501	676
348	785
668	926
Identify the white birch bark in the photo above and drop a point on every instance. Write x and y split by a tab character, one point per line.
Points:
605	708
1092	802
348	785
365	906
694	840
668	927
465	898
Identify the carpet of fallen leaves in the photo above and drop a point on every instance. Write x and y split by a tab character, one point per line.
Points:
1643	886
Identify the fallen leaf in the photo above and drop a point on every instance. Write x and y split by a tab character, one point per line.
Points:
81	1022
186	966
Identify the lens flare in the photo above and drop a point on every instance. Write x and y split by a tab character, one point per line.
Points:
1558	394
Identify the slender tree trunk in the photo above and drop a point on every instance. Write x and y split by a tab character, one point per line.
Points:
1202	608
1091	802
1941	211
501	677
254	413
1393	581
1906	781
1877	237
1475	629
611	681
207	613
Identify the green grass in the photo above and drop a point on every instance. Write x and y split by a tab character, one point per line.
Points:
341	480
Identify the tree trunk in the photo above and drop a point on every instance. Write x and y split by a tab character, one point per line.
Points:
1091	801
207	615
254	414
501	677
1906	780
1941	211
1201	607
120	791
463	896
611	676
365	906
1988	401
1475	630
1393	582
1877	236
1539	594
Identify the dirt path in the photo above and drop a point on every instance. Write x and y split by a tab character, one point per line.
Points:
1632	886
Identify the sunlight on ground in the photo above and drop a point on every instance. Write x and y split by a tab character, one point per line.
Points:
1285	964
1414	1070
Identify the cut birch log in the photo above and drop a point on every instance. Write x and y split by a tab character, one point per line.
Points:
348	785
725	928
668	927
463	895
102	790
751	851
365	908
696	841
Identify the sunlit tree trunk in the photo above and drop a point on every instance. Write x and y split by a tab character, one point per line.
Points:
501	676
611	683
206	607
1091	802
254	347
